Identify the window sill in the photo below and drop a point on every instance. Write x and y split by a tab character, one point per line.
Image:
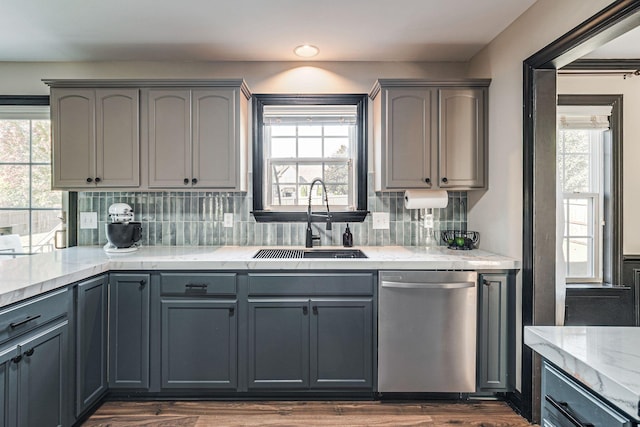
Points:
343	216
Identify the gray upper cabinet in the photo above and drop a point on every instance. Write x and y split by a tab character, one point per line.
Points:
197	138
461	141
96	139
429	134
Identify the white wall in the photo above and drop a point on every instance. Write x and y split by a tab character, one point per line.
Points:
497	214
630	90
24	78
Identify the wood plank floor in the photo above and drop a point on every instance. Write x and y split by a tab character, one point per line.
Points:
305	413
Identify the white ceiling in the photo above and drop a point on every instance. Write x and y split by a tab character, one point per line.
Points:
251	30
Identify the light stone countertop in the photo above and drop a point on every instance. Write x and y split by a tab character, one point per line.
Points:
605	359
28	276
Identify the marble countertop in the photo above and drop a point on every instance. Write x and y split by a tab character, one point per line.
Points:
605	359
25	277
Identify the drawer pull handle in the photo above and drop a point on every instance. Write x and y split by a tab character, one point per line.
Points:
563	408
17	359
22	322
232	311
143	282
196	286
315	309
305	310
29	352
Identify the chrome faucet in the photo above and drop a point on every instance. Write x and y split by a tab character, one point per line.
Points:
310	236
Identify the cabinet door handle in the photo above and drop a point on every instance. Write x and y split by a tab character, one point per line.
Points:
98	179
186	181
29	352
194	181
17	359
143	282
445	180
89	179
22	322
305	310
486	282
427	180
315	309
563	408
195	286
232	311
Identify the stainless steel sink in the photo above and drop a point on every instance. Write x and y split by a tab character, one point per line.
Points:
308	253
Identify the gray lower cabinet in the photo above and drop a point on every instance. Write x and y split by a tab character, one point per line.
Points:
566	403
308	343
129	331
91	342
279	344
199	343
495	364
34	376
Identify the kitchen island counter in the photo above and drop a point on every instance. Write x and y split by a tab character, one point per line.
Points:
605	359
28	276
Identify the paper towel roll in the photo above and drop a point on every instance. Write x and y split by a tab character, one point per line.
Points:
424	199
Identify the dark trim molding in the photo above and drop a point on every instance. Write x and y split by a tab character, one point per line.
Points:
24	99
259	101
603	65
538	118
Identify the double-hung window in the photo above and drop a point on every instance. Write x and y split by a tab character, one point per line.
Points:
29	210
580	156
299	139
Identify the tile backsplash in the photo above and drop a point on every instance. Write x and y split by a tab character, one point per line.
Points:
197	219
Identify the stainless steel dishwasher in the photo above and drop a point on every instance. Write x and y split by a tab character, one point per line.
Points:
427	331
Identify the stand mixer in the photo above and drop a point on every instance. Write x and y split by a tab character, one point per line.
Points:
123	233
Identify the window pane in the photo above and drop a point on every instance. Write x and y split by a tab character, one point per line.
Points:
576	141
284	174
577	173
310	147
14	186
14	141
336	130
284	195
336	173
579	254
308	173
42	195
310	130
283	147
43	228
14	232
336	147
338	195
41	144
282	130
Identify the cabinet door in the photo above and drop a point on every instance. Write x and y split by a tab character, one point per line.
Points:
42	379
215	140
129	331
91	342
199	344
8	369
279	344
169	138
409	136
341	343
493	363
462	138
117	137
73	123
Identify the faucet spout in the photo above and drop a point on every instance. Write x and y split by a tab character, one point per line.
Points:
310	237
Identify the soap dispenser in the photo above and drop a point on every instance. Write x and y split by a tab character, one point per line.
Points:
347	238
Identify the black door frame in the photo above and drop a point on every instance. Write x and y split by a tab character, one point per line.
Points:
539	133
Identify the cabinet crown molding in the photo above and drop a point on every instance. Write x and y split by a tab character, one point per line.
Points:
380	83
148	83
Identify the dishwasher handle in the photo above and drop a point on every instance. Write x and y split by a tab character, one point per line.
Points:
437	285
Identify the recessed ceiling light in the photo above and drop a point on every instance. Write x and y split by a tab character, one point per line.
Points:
306	51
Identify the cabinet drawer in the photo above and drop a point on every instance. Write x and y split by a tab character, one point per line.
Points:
564	403
32	313
198	284
311	283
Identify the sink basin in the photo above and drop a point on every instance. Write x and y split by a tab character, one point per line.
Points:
308	253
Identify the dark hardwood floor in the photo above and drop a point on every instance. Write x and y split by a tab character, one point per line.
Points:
305	413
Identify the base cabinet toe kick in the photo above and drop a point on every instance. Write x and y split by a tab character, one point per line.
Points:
248	334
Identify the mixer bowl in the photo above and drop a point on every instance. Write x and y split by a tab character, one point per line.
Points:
123	234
